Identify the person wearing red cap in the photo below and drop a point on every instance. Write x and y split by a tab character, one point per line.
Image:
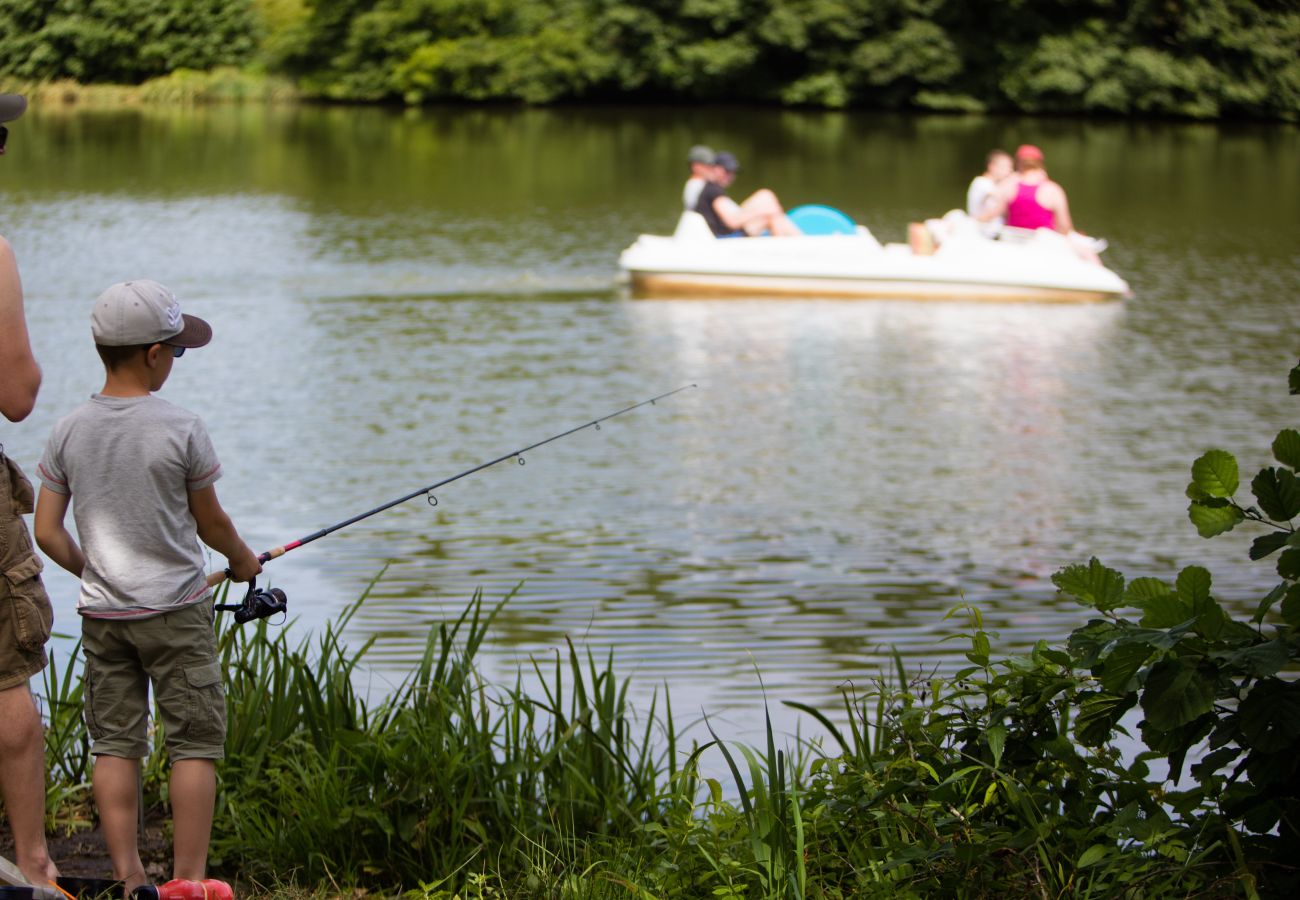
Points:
25	612
1032	200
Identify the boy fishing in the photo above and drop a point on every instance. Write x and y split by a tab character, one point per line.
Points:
142	472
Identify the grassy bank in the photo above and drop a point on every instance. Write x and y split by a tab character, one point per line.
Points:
181	87
450	786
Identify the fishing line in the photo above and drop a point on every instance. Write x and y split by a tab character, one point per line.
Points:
260	604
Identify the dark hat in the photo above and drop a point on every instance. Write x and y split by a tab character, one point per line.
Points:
727	160
701	154
11	106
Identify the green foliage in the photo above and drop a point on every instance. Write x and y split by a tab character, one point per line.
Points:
121	41
1200	60
1210	687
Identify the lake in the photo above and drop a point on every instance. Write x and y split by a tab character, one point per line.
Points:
401	295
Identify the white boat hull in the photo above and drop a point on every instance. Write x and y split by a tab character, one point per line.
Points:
1040	268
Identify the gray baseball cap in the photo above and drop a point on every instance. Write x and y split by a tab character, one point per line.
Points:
144	312
701	154
12	106
727	160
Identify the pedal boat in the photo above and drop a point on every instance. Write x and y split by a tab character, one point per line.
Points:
1031	266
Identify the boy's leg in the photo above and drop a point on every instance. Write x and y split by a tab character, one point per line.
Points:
115	782
22	782
182	661
117	718
194	797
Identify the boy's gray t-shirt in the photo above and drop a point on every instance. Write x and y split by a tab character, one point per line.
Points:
129	464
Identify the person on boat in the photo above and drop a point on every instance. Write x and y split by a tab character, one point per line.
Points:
25	612
1031	200
760	212
984	187
701	160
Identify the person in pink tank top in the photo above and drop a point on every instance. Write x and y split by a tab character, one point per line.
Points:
1032	200
1024	210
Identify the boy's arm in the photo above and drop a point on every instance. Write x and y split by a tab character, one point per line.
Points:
218	532
22	377
52	535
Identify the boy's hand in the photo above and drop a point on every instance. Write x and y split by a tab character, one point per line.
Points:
244	566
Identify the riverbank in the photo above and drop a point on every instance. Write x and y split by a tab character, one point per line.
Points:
181	87
1003	780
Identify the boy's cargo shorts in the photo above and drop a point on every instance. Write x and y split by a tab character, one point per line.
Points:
25	612
177	652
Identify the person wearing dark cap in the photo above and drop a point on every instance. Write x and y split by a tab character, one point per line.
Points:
701	160
25	612
1032	200
142	472
761	212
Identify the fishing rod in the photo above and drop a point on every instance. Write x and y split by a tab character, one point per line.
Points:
260	604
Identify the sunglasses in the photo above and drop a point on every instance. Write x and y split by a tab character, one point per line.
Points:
177	352
4	136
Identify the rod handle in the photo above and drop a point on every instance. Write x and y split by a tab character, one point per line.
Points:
217	577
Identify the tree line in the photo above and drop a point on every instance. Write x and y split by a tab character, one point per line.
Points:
1190	58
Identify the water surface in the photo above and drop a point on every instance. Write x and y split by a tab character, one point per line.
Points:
398	296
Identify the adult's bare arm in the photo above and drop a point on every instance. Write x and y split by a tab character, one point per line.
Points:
20	376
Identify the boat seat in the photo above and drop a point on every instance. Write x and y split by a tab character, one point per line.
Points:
692	227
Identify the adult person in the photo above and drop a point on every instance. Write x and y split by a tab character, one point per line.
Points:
1032	200
25	612
701	160
983	189
760	212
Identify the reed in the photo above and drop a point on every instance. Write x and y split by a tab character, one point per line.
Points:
449	786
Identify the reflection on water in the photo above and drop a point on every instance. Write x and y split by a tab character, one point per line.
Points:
400	296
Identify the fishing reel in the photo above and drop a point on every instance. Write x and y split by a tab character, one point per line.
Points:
257	604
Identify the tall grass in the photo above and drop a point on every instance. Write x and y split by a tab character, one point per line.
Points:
450	786
182	87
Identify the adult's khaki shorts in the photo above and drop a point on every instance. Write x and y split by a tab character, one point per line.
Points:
25	612
177	653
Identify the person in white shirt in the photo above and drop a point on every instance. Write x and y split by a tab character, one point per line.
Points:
701	160
984	187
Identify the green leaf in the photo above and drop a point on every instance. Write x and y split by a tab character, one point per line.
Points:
1121	665
1291	606
1294	380
1288	564
1267	603
1270	715
1092	855
1176	694
1261	660
1092	585
997	738
1193	585
1286	447
1278	493
979	649
1166	612
1211	620
1265	544
1098	715
1141	591
1213	517
1216	473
